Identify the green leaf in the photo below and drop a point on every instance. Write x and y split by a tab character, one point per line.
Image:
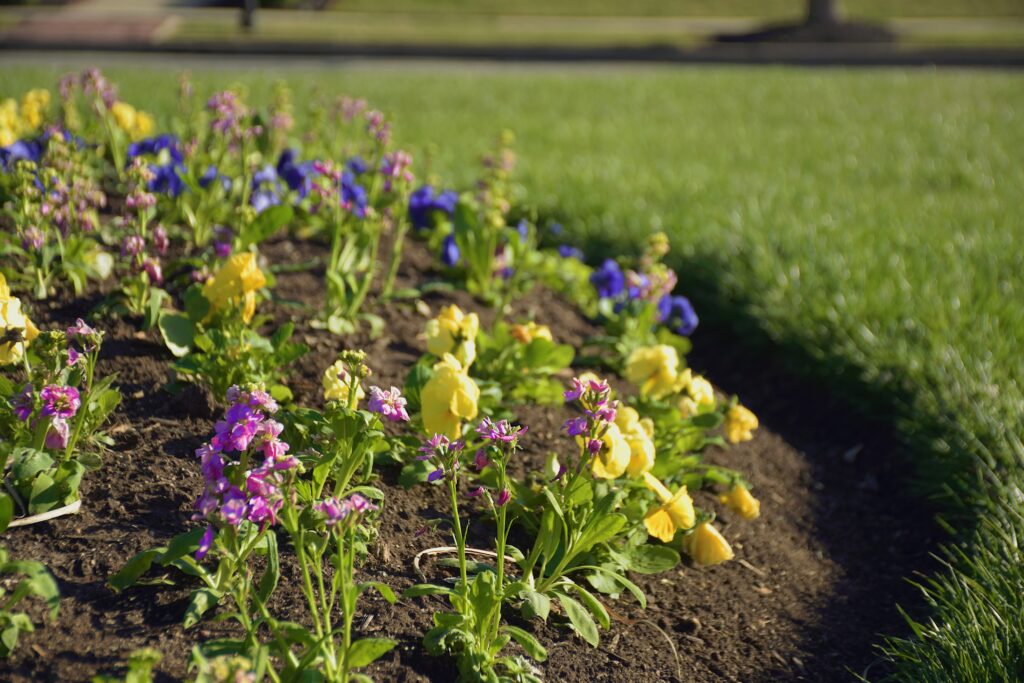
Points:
709	420
422	589
580	619
602	529
382	588
157	297
265	224
594	605
6	511
197	306
134	568
203	600
652	559
536	605
178	332
527	641
367	650
268	582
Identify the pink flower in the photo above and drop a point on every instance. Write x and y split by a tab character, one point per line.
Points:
390	404
60	401
58	434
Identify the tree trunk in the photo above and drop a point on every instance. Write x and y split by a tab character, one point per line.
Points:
823	12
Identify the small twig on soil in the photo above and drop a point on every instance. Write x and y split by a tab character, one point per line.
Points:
45	516
671	644
760	572
442	550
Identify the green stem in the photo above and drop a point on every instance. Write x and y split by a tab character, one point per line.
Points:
460	542
396	258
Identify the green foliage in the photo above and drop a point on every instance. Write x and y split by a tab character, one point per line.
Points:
22	579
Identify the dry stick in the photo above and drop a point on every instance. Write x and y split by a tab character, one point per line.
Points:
671	644
441	550
44	516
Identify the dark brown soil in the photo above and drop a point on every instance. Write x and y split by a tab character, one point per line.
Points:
815	580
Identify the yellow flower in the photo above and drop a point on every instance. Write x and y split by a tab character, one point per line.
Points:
638	434
449	397
454	332
143	125
740	424
16	330
527	332
335	382
740	500
707	546
10	122
613	458
33	107
674	512
655	369
699	397
124	116
235	284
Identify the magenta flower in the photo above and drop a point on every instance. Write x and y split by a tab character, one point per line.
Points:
154	270
58	434
503	497
390	404
502	431
576	426
60	401
476	493
80	329
481	460
333	509
160	240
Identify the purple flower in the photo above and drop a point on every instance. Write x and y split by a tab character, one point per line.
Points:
450	253
262	511
153	270
390	404
677	313
594	446
436	474
232	508
503	497
360	504
568	251
262	400
22	403
333	510
205	543
608	280
32	239
58	434
353	195
480	460
476	493
160	240
60	401
576	426
436	442
132	245
500	431
80	329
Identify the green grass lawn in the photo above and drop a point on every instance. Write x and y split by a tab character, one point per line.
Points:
870	221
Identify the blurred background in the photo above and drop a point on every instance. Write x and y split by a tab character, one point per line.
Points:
641	28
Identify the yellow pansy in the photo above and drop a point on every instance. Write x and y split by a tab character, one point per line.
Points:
699	397
33	107
335	382
675	511
638	434
527	332
235	284
655	370
124	116
144	125
16	330
10	122
613	458
449	397
740	424
742	502
454	332
707	546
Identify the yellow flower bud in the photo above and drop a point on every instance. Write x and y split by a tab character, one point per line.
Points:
235	284
740	424
454	332
449	397
654	369
707	546
675	511
16	330
742	502
527	332
336	384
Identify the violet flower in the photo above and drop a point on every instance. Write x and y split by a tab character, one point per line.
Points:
59	401
389	404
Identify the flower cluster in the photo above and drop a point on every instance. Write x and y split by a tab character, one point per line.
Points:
596	430
425	202
345	511
443	453
243	465
388	404
454	332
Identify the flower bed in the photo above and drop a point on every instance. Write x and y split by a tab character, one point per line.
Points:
260	470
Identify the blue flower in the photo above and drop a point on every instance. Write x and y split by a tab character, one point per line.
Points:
155	145
556	229
569	251
296	175
608	280
450	253
266	189
523	228
21	150
677	313
423	202
353	195
356	165
166	179
211	175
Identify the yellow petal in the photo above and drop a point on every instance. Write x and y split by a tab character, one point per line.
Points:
707	546
660	525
